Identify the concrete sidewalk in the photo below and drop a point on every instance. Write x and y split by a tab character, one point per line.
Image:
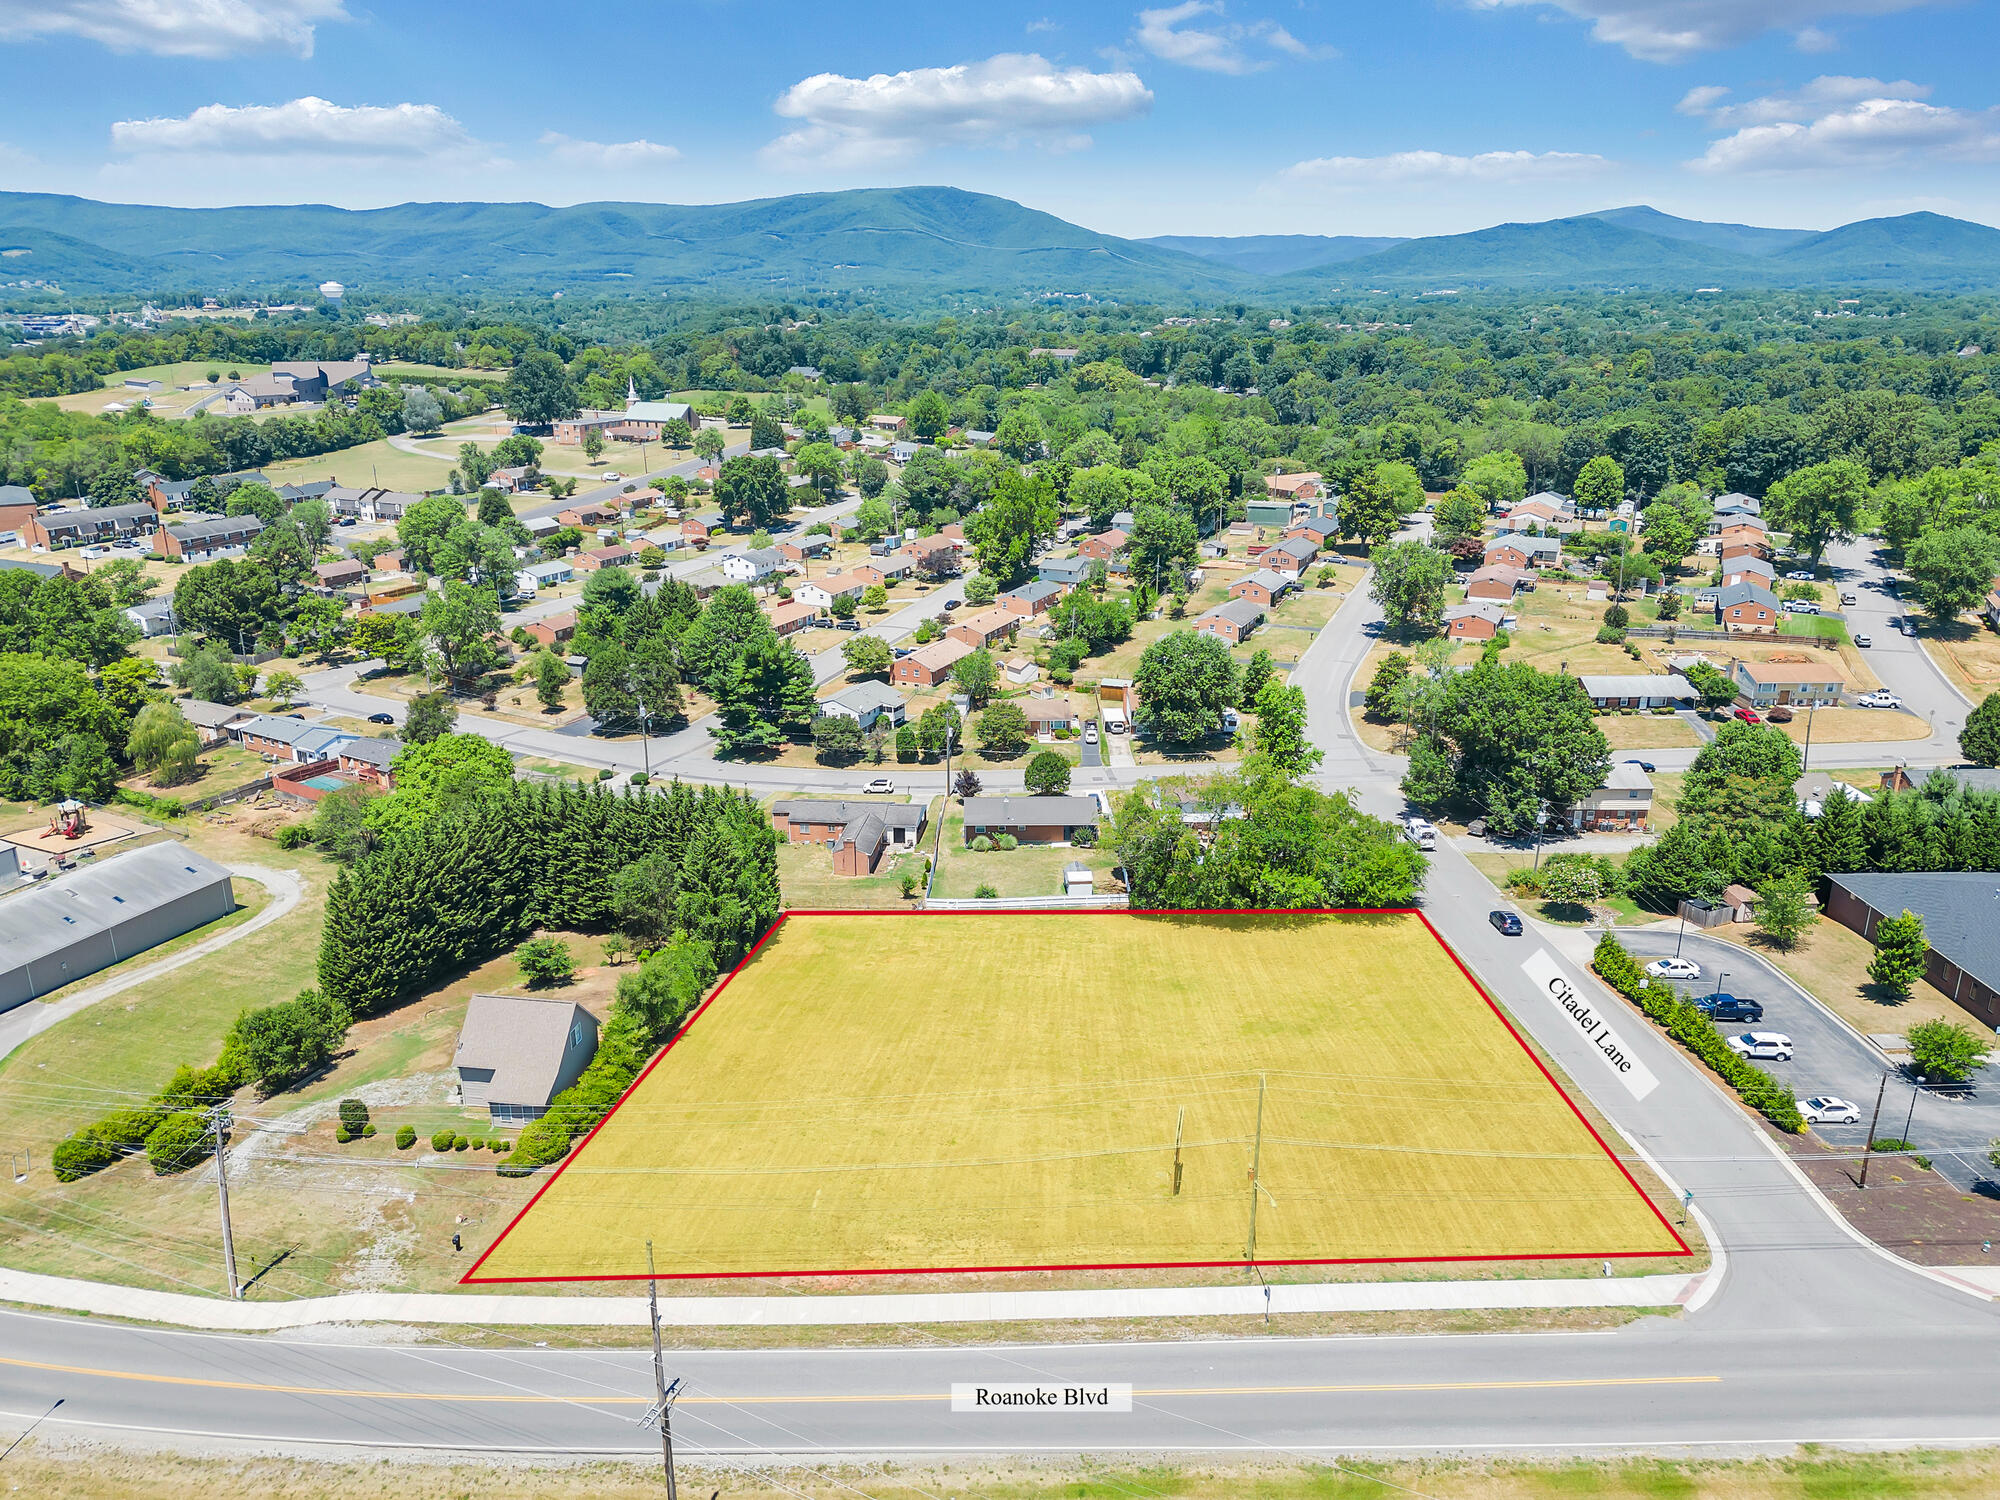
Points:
186	1311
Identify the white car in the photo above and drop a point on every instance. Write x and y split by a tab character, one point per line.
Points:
1771	1046
1882	698
611	476
1090	734
880	784
1674	968
1800	577
1827	1110
1864	640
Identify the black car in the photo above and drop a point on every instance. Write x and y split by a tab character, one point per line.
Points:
950	605
1721	1007
381	718
1505	923
1644	765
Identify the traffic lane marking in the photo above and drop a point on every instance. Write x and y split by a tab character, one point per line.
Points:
1164	1393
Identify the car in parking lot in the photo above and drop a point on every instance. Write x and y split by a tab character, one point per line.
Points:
1825	1109
1673	968
1749	716
1505	923
1770	1046
1864	640
1880	698
1720	1006
381	718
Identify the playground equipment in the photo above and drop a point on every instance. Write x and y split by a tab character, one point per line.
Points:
68	819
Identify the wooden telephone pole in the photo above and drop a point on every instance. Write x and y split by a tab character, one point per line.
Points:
1256	1162
218	1121
664	1394
1180	1119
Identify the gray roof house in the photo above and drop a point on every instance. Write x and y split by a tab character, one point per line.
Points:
868	703
1637	690
212	720
1066	570
152	616
517	1052
902	822
1035	819
1958	911
76	924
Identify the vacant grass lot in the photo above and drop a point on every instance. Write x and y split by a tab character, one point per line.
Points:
968	1091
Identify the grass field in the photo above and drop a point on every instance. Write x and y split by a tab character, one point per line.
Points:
984	1091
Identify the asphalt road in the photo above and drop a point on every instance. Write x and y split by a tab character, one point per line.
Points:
1811	1336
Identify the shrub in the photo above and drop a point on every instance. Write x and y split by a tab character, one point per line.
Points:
80	1155
342	1134
909	884
278	1044
1006	841
986	893
406	1137
1946	1052
640	778
441	1140
606	774
180	1141
294	835
1084	837
982	845
1694	1031
353	1116
479	1143
1888	1143
503	1146
1609	635
460	1143
368	1130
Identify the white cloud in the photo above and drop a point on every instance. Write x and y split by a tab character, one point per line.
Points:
1437	166
175	28
1044	24
1818	97
1869	135
304	127
1216	48
1671	30
615	156
1008	100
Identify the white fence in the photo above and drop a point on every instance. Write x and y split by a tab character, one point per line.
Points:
1033	903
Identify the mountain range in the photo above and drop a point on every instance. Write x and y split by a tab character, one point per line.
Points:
933	241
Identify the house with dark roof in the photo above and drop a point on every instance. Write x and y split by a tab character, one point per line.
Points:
193	541
1031	599
1959	911
1747	606
1031	820
1292	556
1070	572
87	524
17	508
372	761
1263	588
1231	620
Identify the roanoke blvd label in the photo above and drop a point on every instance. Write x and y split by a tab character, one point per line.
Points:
1590	1024
1039	1396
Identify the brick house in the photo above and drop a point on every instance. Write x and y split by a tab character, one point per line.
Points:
1766	684
339	575
1231	620
618	555
1104	546
984	627
934	556
789	619
195	540
1498	581
1523	552
1292	556
1474	620
1963	957
1638	690
1262	588
372	761
584	517
1624	802
291	739
927	666
858	833
700	528
1031	599
1031	820
17	508
1747	607
86	525
805	547
1319	530
553	630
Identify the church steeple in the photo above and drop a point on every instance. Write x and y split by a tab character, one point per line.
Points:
631	393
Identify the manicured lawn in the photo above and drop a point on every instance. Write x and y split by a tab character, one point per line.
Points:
1646	731
961	1091
1029	870
1857	725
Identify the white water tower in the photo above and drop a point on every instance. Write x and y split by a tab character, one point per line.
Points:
333	291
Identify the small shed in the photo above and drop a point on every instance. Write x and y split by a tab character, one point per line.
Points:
1077	879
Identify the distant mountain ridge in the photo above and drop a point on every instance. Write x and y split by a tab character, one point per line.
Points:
933	240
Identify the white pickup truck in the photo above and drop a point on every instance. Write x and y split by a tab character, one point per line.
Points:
1420	831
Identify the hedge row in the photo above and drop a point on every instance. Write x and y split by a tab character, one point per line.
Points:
1686	1024
172	1129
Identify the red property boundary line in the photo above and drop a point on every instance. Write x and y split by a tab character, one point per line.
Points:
473	1278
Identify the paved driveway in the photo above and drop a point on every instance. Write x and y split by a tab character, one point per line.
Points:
1828	1058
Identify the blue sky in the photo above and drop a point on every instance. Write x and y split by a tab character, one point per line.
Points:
1202	117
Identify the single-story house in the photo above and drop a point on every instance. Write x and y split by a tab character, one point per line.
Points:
617	555
1046	715
935	556
1766	683
868	704
699	528
195	540
1263	588
788	618
1231	620
888	421
1542	512
212	721
546	575
1105	545
585	517
1070	572
372	760
513	479
291	739
1031	820
1474	620
752	566
154	617
1638	690
983	627
1291	556
1523	552
798	549
1958	912
552	630
344	573
1309	486
1747	607
1031	599
858	833
517	1052
1498	581
569	431
1815	789
977	437
1624	801
927	666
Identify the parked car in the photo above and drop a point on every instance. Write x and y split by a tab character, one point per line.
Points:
1766	1046
1880	698
1673	968
1800	607
1725	1007
846	624
1505	923
1864	640
1090	734
879	785
611	476
1644	765
950	605
1910	628
1420	831
1825	1109
1850	598
1749	716
1800	576
381	718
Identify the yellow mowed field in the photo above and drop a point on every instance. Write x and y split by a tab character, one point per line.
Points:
959	1091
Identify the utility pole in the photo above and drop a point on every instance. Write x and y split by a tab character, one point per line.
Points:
1256	1162
1868	1149
664	1393
1180	1119
1805	759
218	1120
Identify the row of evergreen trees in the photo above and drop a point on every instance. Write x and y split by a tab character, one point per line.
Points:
474	881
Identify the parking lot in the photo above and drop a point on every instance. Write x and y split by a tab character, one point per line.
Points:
1955	1131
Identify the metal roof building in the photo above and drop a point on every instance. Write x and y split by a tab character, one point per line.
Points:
77	924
